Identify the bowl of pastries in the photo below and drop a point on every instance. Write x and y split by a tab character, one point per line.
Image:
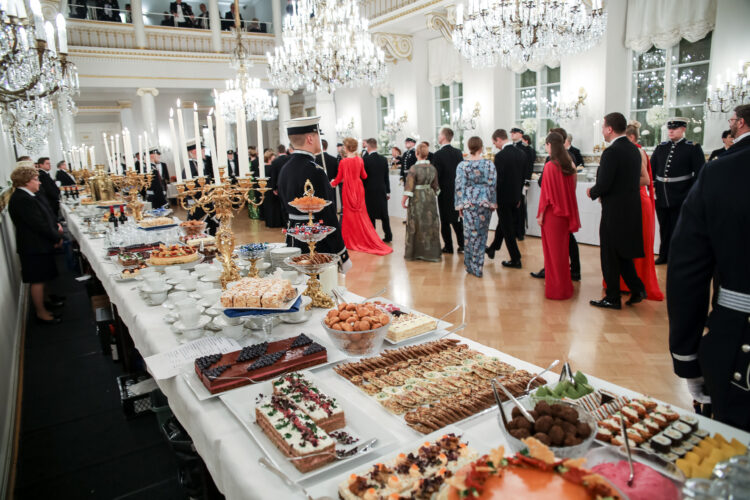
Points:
357	329
192	227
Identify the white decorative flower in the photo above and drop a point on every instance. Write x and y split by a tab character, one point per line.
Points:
529	125
657	116
697	130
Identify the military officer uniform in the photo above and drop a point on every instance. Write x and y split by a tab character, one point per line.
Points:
155	192
700	248
205	171
300	167
233	166
408	159
675	166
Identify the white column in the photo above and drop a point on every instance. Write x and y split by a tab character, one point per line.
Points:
136	12
326	108
214	22
148	111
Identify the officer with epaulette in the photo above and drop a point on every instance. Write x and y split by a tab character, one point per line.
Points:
304	135
675	164
711	241
409	158
155	192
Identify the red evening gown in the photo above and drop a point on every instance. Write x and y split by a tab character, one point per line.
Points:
356	227
559	205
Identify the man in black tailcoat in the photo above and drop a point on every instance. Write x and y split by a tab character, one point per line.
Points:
62	175
377	188
509	163
233	166
331	166
675	165
711	241
573	151
273	210
183	14
301	167
200	164
517	137
620	229
155	192
446	160
49	189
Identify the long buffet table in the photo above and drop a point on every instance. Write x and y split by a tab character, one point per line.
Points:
230	453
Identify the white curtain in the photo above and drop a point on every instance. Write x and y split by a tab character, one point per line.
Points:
662	23
444	62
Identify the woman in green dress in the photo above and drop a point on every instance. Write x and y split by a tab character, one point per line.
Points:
422	219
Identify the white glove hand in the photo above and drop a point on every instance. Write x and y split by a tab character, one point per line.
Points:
695	386
345	266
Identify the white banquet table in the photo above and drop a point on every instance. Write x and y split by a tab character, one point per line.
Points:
230	453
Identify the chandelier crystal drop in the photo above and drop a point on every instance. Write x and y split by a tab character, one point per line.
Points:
257	101
526	34
29	122
326	45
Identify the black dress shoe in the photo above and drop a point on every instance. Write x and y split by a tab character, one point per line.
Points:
661	260
460	249
54	321
515	264
520	237
490	252
606	303
387	240
447	250
539	275
635	298
575	276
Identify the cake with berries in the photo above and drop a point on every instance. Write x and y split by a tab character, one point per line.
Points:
222	372
324	410
174	254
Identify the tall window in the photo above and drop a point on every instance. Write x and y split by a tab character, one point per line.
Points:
448	100
385	106
533	90
675	78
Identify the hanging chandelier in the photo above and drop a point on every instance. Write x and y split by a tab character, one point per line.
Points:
521	34
248	94
560	110
326	45
729	92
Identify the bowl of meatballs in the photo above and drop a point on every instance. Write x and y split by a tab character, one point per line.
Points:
566	428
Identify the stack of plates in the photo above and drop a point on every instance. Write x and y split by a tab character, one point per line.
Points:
279	254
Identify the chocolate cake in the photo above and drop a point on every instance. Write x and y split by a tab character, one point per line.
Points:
222	372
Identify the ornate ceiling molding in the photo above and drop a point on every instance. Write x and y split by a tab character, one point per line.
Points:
395	46
147	90
441	22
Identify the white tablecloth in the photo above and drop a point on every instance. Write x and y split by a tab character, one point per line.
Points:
230	453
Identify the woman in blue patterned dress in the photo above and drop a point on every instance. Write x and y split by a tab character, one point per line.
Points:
476	199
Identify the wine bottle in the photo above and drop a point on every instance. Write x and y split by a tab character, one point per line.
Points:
112	219
123	217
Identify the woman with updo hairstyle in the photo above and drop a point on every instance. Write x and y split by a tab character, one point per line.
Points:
645	266
356	227
558	217
420	201
38	235
475	200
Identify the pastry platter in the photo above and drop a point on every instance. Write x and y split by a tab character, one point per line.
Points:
395	309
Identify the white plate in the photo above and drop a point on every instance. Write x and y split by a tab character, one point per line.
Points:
284	308
186	265
118	278
358	424
202	322
441	325
200	391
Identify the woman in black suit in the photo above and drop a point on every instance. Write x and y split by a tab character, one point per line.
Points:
37	236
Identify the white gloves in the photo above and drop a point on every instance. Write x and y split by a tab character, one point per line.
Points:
696	388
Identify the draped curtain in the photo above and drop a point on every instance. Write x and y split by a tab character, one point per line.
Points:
662	23
444	62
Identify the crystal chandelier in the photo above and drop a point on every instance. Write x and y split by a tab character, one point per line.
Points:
247	93
729	93
345	128
392	125
521	34
29	122
326	45
565	110
462	120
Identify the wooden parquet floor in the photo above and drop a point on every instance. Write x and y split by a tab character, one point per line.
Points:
506	309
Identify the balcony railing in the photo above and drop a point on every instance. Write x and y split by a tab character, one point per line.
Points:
376	8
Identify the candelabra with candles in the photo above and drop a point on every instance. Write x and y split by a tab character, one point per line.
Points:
731	93
222	199
559	110
344	128
464	121
130	184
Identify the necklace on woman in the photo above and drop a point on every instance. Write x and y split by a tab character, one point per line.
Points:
423	162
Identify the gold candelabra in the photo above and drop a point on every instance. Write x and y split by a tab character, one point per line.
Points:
130	185
222	200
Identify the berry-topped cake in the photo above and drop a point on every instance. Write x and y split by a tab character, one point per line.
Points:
221	372
324	410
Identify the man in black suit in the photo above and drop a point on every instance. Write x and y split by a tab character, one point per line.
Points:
233	166
409	157
716	364
49	189
727	139
155	193
446	160
183	13
509	163
228	23
62	176
573	151
331	166
108	10
161	167
519	140
377	188
201	21
620	230
274	212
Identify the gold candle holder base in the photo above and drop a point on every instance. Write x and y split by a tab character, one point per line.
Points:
319	298
253	271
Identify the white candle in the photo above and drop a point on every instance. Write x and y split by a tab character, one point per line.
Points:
117	154
49	30
175	148
261	156
84	159
93	156
112	154
74	160
140	153
221	137
106	152
212	144
61	33
182	146
127	148
196	131
36	12
21	9
242	143
147	157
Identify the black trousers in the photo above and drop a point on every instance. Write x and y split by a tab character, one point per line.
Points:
614	266
448	220
575	257
521	215
506	230
386	222
667	221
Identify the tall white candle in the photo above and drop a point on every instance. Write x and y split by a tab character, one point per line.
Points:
221	137
112	153
182	146
127	148
140	153
93	156
84	160
117	154
261	156
212	144
242	159
175	148
73	162
106	153
62	35
196	131
146	148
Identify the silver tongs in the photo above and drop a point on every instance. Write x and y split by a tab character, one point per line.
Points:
627	449
551	366
524	411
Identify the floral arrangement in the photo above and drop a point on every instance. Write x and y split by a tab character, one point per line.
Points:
529	124
657	116
384	142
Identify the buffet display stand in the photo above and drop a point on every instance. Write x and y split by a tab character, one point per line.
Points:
227	448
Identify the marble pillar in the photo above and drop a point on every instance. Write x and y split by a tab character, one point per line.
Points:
326	109
136	13
214	22
148	112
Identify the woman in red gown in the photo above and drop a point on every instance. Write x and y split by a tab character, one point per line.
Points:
558	217
356	227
